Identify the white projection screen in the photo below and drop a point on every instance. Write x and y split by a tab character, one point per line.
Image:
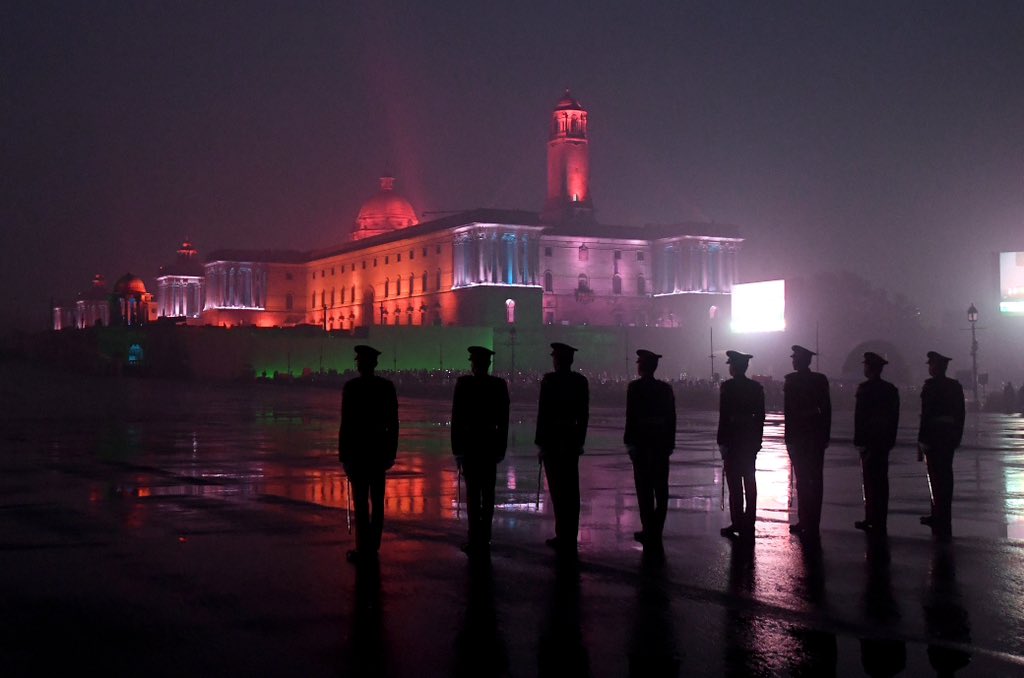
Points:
759	307
1011	283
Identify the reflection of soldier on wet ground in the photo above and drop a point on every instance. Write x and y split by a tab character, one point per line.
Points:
740	430
1010	398
653	651
479	439
808	419
479	648
650	437
881	654
875	421
561	650
946	621
367	644
367	447
942	428
562	417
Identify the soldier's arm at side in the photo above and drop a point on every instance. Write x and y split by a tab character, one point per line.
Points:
457	417
392	410
629	434
671	428
584	415
723	409
503	414
540	436
827	413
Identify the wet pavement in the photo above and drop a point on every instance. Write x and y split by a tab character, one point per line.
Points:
165	528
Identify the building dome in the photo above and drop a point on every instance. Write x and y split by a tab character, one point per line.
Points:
387	211
568	102
129	284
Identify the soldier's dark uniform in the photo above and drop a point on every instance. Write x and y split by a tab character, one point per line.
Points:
808	418
650	437
740	430
876	418
562	417
367	447
942	428
479	438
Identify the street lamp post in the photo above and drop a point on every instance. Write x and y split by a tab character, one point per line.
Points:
972	318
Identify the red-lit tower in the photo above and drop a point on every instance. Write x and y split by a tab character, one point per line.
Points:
568	165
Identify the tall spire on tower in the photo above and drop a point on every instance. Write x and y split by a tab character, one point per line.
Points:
568	197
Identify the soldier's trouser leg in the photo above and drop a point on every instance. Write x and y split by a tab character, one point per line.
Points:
747	473
563	475
361	505
816	487
644	490
659	481
940	476
376	486
875	468
808	465
734	479
480	478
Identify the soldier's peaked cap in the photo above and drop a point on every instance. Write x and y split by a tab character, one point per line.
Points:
935	357
737	358
800	350
364	351
479	352
644	354
562	349
872	358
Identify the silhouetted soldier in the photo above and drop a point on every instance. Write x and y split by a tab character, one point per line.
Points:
479	438
367	446
942	428
650	437
808	417
740	429
875	420
562	416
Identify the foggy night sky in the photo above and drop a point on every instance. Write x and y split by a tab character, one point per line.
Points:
882	138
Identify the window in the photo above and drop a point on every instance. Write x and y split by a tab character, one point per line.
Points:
425	289
288	303
364	264
332	297
583	282
618	254
549	282
375	262
547	251
342	295
437	283
616	284
412	254
386	259
412	280
288	276
353	294
398	286
584	253
424	251
323	298
323	273
387	288
639	256
398	257
314	275
312	301
438	249
510	311
332	270
641	285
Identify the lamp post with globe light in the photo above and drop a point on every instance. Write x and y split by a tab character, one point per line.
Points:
972	318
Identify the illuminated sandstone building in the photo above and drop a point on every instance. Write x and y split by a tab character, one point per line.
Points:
478	268
179	290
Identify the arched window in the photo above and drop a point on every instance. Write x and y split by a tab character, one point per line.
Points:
437	284
323	298
549	282
510	311
342	295
398	286
616	284
584	253
387	287
583	282
353	294
312	301
332	297
412	283
288	302
425	289
641	285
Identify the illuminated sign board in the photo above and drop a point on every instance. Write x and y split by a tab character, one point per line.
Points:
759	307
1011	283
